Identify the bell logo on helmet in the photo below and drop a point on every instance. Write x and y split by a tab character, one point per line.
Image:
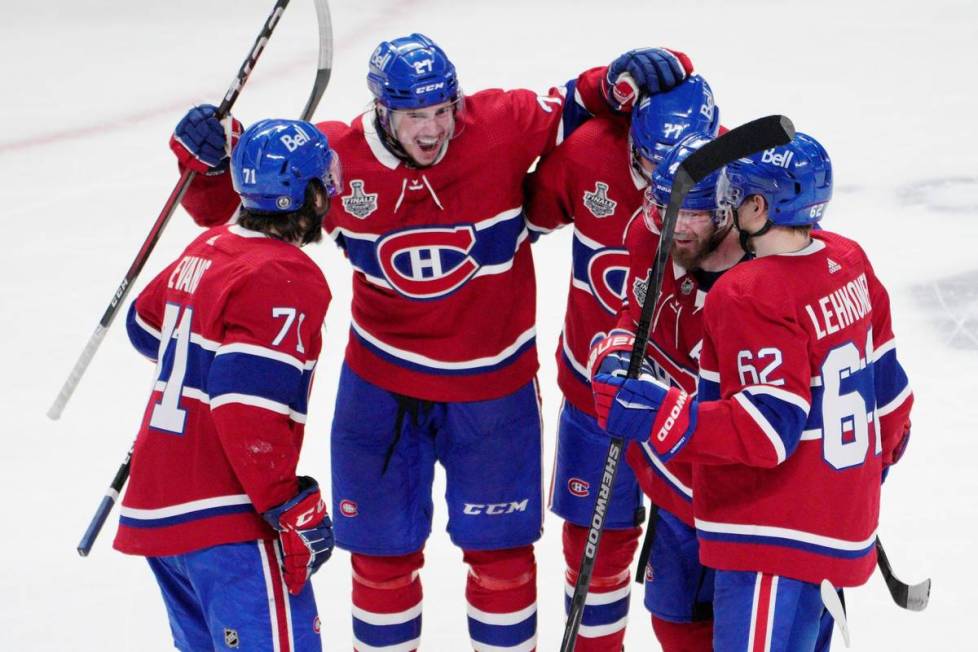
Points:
782	160
380	57
293	143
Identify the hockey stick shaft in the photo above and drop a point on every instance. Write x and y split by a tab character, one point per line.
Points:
754	136
118	298
102	513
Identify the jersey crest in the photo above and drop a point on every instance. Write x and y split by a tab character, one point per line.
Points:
358	203
598	202
606	274
429	262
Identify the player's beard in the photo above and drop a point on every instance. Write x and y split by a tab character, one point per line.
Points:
693	250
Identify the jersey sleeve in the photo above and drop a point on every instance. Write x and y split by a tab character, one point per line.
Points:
210	199
260	379
549	191
894	397
754	365
145	317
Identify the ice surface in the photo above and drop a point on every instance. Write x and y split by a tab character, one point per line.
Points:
91	90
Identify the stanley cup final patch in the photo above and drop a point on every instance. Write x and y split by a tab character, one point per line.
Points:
598	202
358	203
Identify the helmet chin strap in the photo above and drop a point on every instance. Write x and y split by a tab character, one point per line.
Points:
718	235
745	237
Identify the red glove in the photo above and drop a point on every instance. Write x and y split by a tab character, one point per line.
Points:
305	533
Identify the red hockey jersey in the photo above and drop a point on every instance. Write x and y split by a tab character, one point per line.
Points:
674	347
234	326
801	403
443	288
589	180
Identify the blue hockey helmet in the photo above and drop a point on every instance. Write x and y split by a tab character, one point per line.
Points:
702	196
661	120
275	160
411	72
795	180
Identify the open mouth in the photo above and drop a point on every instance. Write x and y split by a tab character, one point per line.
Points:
427	145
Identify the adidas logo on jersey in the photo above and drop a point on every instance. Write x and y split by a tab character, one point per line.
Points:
833	266
598	201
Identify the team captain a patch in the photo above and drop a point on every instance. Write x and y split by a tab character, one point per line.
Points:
358	203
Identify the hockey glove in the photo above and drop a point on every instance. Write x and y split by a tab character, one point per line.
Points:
644	71
200	140
611	353
645	409
305	533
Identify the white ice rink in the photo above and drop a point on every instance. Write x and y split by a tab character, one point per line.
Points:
91	90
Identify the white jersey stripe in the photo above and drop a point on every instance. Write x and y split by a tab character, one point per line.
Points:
786	533
780	394
882	411
764	425
265	352
426	361
184	508
266	567
673	480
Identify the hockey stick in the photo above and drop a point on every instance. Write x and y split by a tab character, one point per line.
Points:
760	134
835	607
322	78
323	71
914	597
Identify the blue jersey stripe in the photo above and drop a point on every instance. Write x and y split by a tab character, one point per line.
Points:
384	635
243	373
503	635
785	543
211	512
144	341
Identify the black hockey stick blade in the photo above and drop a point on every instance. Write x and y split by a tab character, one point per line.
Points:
324	68
913	598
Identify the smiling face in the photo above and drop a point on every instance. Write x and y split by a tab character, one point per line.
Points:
691	242
425	132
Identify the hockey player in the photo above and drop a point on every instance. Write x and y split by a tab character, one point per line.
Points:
441	360
231	533
596	180
678	589
802	406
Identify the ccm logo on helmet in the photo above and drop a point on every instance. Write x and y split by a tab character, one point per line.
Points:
429	262
673	415
495	509
578	487
427	88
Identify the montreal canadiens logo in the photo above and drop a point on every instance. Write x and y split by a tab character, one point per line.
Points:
348	508
606	272
578	487
430	262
